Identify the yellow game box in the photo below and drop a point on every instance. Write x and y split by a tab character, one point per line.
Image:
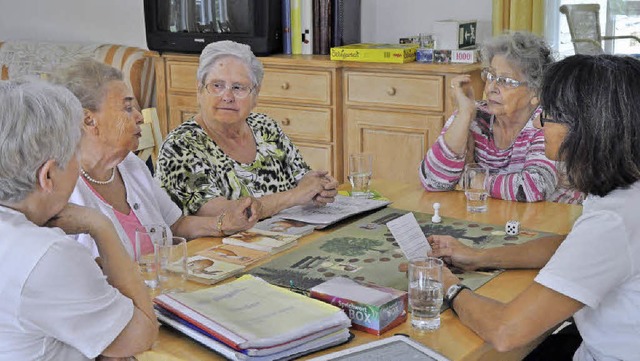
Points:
375	53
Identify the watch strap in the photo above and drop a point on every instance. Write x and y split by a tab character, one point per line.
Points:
451	296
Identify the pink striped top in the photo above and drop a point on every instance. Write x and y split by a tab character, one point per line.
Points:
520	172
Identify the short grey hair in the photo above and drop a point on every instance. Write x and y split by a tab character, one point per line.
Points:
87	79
38	122
221	49
526	51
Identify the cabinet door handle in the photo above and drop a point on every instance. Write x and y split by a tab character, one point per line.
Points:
285	85
286	121
391	91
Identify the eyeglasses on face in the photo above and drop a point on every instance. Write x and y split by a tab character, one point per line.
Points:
218	88
501	81
545	118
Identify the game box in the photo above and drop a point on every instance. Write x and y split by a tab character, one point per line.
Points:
371	308
375	53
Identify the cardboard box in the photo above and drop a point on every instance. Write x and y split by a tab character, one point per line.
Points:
424	55
455	34
371	308
375	53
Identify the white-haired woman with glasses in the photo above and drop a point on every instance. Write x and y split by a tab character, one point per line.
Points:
226	151
57	303
498	132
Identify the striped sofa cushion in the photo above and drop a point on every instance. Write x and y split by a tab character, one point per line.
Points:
18	58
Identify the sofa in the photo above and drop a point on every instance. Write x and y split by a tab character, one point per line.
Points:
20	58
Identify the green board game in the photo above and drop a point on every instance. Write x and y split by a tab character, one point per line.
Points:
366	251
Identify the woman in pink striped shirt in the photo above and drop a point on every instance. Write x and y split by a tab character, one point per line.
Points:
498	132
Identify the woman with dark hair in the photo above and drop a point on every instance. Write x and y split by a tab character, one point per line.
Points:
592	124
498	132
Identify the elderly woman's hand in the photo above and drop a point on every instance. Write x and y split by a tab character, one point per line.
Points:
242	215
315	186
75	219
454	252
462	92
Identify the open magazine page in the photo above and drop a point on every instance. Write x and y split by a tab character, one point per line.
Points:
342	208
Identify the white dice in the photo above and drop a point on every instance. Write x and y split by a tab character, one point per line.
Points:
512	228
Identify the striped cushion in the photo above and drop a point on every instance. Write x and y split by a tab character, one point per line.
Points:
137	65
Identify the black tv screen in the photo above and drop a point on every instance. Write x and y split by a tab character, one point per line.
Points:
189	25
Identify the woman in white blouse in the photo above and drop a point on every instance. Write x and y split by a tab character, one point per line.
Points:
115	180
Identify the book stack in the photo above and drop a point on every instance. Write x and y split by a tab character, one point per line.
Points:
237	252
250	319
313	26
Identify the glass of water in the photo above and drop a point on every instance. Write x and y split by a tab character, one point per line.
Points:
147	237
360	170
171	256
425	292
473	179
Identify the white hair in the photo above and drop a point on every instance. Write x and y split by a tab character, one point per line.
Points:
38	122
221	49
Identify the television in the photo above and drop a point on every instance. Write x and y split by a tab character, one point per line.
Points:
189	25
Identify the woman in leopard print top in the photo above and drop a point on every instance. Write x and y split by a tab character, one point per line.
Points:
226	152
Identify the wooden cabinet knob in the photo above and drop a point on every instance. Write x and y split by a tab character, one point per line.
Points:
391	91
285	85
286	121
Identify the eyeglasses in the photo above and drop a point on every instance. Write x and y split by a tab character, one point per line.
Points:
218	88
544	118
501	81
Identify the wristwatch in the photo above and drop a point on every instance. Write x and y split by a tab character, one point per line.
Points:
452	293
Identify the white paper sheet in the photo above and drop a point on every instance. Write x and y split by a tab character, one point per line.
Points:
409	236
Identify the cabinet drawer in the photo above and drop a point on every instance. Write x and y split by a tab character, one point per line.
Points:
418	92
293	86
301	123
318	156
182	77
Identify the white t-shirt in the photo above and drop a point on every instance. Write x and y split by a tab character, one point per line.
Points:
599	265
56	302
150	203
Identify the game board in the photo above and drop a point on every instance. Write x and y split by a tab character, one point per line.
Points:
365	250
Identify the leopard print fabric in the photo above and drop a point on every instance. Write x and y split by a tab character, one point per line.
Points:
193	169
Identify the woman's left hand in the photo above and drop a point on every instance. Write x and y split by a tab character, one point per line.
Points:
316	186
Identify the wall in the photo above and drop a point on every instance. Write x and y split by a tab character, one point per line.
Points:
386	21
122	21
85	21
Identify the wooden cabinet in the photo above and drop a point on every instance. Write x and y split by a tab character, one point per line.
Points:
330	109
396	111
300	93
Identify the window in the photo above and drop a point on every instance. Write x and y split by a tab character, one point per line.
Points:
617	17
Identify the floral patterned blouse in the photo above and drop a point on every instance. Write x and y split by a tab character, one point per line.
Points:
193	169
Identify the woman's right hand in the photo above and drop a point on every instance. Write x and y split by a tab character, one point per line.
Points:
314	183
75	219
242	215
454	252
463	96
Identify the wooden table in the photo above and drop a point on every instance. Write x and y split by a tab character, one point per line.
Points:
453	339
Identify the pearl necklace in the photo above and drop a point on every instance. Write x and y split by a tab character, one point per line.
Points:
90	179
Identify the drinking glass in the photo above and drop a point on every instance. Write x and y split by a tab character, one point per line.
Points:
171	256
473	179
147	237
360	170
425	292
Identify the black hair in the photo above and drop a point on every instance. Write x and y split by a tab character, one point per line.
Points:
598	98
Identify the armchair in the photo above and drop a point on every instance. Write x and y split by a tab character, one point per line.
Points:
584	27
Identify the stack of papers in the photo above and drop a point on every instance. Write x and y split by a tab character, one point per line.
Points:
250	319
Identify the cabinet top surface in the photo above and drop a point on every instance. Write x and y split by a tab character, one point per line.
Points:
324	62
